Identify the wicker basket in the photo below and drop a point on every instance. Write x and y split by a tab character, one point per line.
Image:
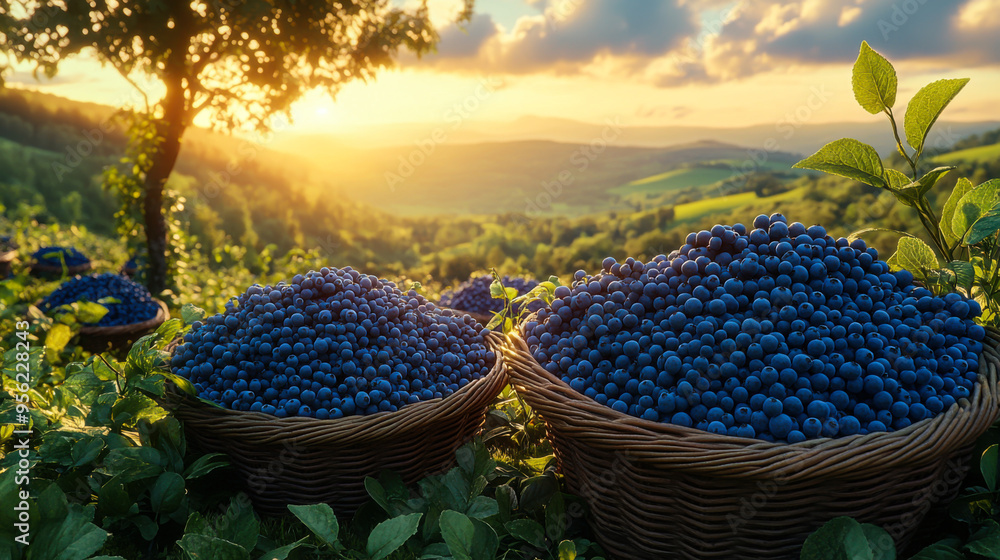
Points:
101	339
6	260
56	271
282	461
657	490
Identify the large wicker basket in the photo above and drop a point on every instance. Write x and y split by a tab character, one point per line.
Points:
656	490
100	339
282	461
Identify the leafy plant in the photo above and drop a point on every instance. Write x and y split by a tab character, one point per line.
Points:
965	247
515	307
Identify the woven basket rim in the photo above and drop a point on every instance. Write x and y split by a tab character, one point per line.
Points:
267	428
70	270
593	422
162	315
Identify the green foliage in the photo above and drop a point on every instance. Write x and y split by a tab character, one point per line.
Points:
515	307
965	240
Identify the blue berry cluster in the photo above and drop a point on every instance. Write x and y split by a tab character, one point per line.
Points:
330	344
474	294
50	256
135	304
777	332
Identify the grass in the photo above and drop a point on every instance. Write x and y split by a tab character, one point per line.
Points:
979	154
722	204
675	179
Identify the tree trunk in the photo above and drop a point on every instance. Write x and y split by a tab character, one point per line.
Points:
170	128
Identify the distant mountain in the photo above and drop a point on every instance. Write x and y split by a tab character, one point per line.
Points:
527	176
784	136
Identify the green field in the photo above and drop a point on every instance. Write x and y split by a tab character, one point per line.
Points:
719	205
979	154
675	179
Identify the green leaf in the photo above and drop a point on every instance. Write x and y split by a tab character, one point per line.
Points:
879	542
938	551
90	312
167	493
973	205
555	517
86	451
511	293
282	552
201	547
482	507
147	527
965	273
527	530
389	535
58	337
240	524
861	232
986	541
198	525
914	255
841	538
567	550
985	226
506	502
496	290
113	499
537	491
320	519
988	466
205	464
191	313
925	108
925	183
485	541
69	535
377	493
874	81
962	187
458	533
849	158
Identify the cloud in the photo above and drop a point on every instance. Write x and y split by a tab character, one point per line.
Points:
763	36
567	36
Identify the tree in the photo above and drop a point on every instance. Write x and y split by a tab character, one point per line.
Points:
241	61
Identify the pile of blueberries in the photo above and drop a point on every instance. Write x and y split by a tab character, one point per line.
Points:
329	344
134	302
777	332
473	295
50	256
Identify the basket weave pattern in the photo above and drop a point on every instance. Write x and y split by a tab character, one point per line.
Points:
656	490
300	460
98	339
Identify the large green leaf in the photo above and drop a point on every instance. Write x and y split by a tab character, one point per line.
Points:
320	519
880	542
914	255
527	530
962	187
985	226
191	313
925	108
90	312
986	541
167	493
113	499
282	553
202	547
389	535
965	273
240	524
925	183
988	466
938	551
849	158
874	81
973	205
65	531
458	533
58	337
841	538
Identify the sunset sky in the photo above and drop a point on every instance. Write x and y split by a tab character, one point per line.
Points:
649	62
